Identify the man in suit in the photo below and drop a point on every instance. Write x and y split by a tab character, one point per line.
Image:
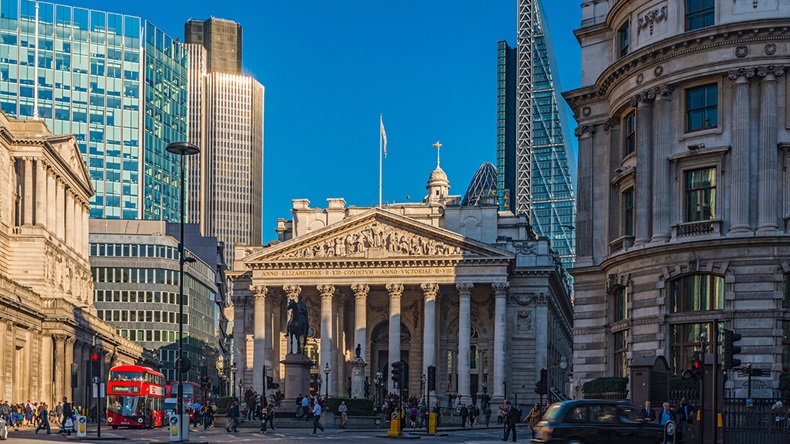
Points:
511	418
647	413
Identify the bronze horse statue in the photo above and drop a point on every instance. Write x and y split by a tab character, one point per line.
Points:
298	326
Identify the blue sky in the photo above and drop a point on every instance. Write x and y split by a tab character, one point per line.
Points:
330	69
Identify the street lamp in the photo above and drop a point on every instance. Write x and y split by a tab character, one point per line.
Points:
327	371
233	371
182	149
378	382
422	387
485	392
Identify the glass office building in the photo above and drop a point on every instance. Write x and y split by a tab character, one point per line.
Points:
553	210
116	82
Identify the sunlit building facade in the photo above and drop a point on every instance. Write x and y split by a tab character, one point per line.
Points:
535	164
116	82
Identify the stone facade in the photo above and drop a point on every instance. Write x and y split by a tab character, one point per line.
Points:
47	320
683	202
401	282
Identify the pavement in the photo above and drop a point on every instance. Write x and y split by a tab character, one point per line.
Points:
477	435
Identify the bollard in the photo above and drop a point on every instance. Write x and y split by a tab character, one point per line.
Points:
433	420
82	426
3	429
395	429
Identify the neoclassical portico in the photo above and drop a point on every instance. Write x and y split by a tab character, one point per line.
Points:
400	288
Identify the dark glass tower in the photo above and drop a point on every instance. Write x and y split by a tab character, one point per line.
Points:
534	160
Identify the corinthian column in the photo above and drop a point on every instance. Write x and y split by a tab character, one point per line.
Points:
395	293
69	219
68	364
429	292
768	201
327	292
51	209
60	210
259	341
644	177
60	364
740	151
360	318
584	215
662	192
28	191
41	192
464	335
500	333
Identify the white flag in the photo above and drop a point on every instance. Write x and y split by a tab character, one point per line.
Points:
383	135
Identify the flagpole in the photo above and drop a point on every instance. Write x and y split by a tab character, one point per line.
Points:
381	162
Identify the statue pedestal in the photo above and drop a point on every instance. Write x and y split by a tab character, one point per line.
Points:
358	378
297	375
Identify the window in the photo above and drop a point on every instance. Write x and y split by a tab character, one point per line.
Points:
697	292
630	133
624	39
700	194
620	350
688	339
699	14
702	107
628	212
620	304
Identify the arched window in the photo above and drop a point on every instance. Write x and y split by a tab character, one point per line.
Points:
697	292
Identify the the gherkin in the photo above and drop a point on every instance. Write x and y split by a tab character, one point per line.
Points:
482	188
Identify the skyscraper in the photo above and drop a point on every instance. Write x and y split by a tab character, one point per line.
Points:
534	161
226	180
222	40
116	82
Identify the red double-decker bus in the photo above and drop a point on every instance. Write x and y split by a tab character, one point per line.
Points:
135	397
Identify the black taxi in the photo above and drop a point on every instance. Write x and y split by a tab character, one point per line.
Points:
590	421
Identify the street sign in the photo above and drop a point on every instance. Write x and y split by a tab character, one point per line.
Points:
96	379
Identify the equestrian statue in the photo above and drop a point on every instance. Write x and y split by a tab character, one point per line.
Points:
298	325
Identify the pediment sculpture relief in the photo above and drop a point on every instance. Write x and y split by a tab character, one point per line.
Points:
376	236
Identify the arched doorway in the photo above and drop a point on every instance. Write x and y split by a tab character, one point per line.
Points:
379	347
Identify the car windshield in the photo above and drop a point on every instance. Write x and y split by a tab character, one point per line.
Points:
552	413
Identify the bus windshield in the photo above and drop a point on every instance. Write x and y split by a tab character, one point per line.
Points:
125	405
127	376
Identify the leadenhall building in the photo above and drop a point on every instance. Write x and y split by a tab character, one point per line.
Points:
467	289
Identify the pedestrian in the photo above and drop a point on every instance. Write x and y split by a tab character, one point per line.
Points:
500	415
667	414
317	417
59	412
43	419
685	415
487	414
423	415
343	410
269	417
305	408
464	414
413	417
533	418
67	426
511	418
233	414
208	416
779	414
647	413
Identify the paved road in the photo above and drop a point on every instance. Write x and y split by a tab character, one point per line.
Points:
492	435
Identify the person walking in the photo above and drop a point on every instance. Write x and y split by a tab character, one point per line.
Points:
317	417
667	415
208	416
685	415
234	414
533	418
464	414
269	417
423	415
67	425
343	410
511	418
305	408
487	414
43	419
59	412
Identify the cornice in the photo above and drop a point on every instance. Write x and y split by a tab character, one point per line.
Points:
317	264
730	34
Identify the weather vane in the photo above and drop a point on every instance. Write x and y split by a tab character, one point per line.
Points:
438	150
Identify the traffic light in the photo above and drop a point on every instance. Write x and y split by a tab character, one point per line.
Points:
695	372
431	377
96	363
269	382
397	374
541	387
730	349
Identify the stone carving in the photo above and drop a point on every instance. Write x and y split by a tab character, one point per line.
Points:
764	71
742	72
640	78
259	291
501	288
649	20
524	321
664	90
770	49
658	71
292	291
376	236
360	290
741	51
395	290
525	247
611	123
586	111
464	289
584	129
430	290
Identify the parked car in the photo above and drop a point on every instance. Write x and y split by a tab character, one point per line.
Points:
590	421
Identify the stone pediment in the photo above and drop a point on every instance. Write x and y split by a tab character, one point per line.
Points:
378	234
69	152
